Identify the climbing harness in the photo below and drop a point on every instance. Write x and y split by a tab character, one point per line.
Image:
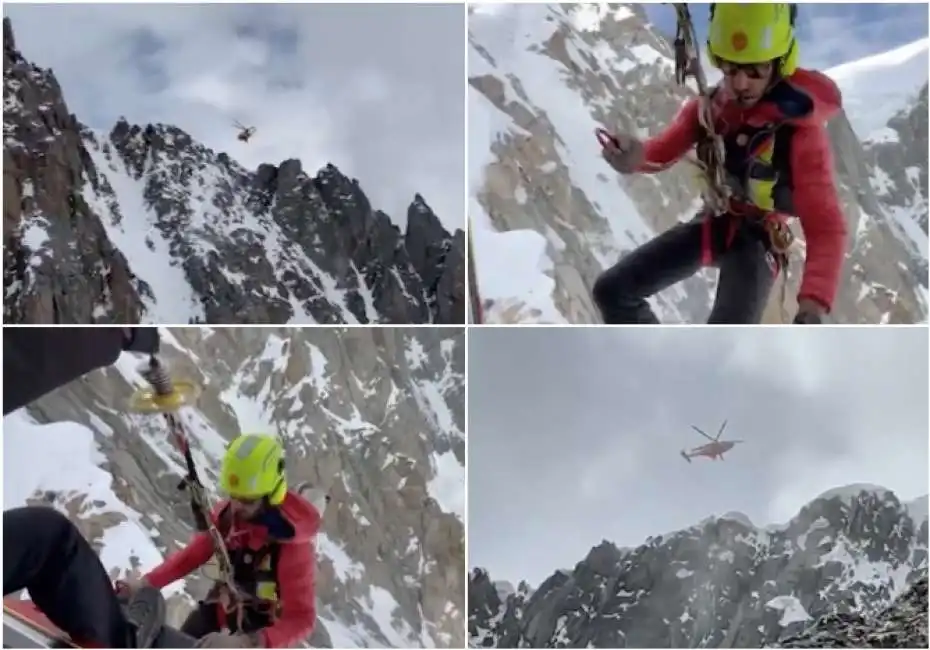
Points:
167	397
711	151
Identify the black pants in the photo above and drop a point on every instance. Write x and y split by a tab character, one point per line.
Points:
738	247
45	554
204	620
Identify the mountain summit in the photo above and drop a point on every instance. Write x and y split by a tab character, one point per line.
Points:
145	224
849	554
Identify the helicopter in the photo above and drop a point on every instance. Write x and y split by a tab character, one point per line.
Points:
245	132
714	449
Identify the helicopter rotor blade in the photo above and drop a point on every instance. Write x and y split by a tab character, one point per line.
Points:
702	433
722	427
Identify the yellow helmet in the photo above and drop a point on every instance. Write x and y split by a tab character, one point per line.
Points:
253	468
754	33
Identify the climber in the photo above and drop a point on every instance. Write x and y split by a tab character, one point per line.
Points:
268	531
37	360
245	132
771	115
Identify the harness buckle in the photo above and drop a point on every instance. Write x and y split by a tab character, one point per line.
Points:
780	235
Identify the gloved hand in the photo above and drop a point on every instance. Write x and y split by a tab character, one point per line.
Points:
228	640
810	312
624	155
141	339
126	587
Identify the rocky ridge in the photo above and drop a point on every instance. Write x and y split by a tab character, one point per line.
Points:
724	582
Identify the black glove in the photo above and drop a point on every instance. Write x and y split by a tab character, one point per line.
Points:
807	318
141	339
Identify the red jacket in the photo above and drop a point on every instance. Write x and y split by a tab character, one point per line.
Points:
814	194
296	565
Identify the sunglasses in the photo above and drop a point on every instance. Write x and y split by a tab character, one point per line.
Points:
751	70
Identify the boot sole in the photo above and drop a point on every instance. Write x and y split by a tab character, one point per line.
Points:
146	610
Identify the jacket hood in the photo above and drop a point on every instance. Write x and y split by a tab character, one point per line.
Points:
303	517
807	97
295	521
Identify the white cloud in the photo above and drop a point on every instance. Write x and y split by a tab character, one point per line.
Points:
375	89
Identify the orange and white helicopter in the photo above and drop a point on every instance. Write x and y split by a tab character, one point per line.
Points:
245	132
714	449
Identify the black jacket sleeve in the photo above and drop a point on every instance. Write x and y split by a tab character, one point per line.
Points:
37	360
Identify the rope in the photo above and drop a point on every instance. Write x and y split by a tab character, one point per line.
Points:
229	595
716	191
711	152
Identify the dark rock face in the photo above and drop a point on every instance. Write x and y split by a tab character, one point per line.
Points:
726	583
903	625
59	265
146	224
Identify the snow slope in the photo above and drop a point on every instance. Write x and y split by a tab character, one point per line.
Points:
511	34
69	465
137	230
876	87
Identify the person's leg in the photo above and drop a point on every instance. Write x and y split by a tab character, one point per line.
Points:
146	611
621	291
201	621
172	638
254	620
44	553
747	274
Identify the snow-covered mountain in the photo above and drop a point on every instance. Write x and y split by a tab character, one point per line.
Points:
373	417
146	224
885	97
724	582
877	87
548	214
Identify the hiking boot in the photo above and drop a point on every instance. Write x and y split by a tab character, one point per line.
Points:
146	612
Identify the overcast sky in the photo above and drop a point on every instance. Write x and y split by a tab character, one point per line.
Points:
831	34
574	434
375	89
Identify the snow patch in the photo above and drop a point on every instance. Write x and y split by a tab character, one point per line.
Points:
792	611
69	464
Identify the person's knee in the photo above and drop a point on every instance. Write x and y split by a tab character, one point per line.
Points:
610	287
41	521
600	292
